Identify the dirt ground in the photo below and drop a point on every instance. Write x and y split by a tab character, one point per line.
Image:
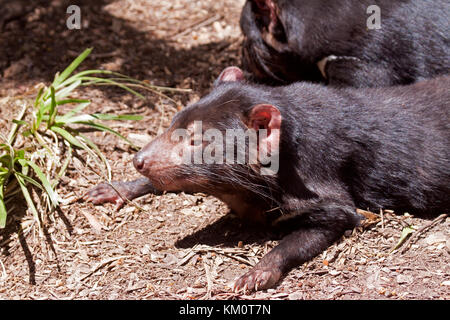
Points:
174	246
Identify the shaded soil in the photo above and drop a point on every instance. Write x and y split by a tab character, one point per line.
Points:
174	246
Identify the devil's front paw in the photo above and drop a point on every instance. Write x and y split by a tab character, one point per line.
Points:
102	193
257	279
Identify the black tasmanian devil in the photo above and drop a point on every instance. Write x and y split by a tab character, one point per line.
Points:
333	41
321	153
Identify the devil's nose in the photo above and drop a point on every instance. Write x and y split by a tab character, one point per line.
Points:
138	161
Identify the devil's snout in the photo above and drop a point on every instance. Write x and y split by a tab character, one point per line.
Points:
139	161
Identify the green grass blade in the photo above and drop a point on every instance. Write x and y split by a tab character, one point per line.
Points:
63	169
30	180
101	127
67	101
67	90
27	197
104	81
90	147
100	155
122	77
106	116
42	143
64	120
45	183
68	71
20	122
79	76
82	118
5	160
3	211
52	111
66	117
67	136
42	110
38	97
13	133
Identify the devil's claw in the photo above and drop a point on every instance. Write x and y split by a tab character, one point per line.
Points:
102	193
257	279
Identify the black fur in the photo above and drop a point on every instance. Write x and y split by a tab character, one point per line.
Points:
412	44
340	149
377	148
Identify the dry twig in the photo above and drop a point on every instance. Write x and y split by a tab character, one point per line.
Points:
101	265
422	230
208	281
196	25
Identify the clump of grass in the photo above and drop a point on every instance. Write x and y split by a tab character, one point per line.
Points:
36	162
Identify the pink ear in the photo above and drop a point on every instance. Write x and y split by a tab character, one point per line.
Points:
266	116
231	74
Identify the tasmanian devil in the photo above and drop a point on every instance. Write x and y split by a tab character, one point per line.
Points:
321	152
338	42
